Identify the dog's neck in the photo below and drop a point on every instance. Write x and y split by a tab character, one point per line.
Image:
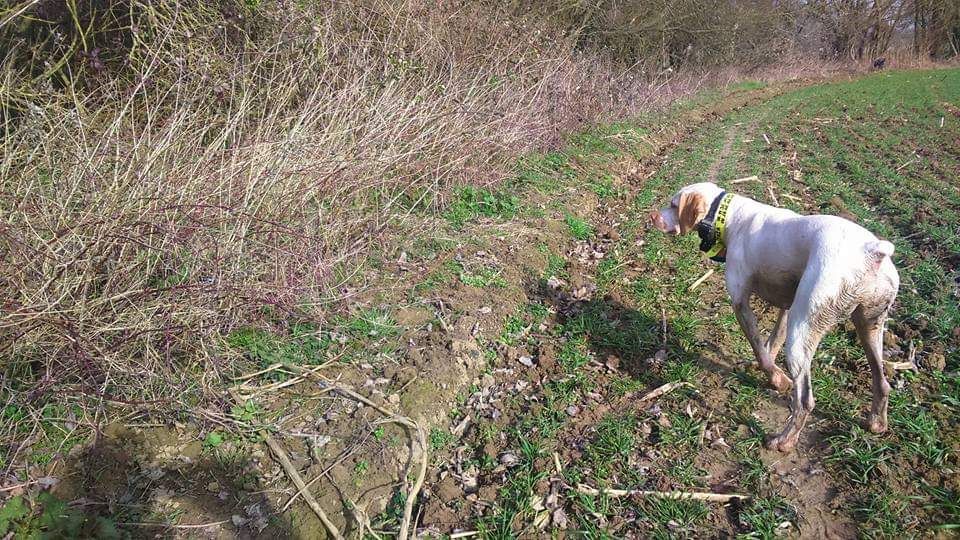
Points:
711	228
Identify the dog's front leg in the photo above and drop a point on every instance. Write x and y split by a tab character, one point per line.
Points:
764	352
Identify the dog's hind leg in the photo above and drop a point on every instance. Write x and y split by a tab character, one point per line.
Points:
818	305
778	335
870	332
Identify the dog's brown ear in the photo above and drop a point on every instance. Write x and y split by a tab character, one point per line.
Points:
693	208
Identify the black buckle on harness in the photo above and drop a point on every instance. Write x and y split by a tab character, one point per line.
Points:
707	230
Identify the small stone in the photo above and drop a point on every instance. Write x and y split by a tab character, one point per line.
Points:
613	362
237	520
526	361
393	399
936	361
719	442
509	459
559	518
573	410
484	310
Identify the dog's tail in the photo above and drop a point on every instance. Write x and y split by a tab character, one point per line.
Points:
877	250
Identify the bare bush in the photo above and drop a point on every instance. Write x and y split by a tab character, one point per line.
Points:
189	170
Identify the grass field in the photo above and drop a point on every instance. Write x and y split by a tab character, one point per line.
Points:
525	331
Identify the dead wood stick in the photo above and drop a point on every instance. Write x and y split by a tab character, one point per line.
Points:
267	369
900	168
665	389
703	431
900	366
773	196
291	471
745	179
700	281
679	495
766	138
791	197
421	439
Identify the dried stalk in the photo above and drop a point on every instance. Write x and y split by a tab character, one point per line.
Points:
678	495
665	389
291	471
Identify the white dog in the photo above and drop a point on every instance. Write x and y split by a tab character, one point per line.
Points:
818	270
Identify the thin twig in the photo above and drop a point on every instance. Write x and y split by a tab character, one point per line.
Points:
291	471
700	281
665	389
900	366
421	439
339	459
900	168
753	178
703	431
678	495
171	525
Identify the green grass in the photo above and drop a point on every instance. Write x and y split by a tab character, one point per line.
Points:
440	439
669	518
580	229
844	142
484	276
612	444
683	433
858	455
763	517
471	203
302	344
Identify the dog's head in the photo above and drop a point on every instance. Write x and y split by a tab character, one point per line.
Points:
687	208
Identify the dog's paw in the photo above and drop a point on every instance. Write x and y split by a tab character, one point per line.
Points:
780	443
781	382
877	424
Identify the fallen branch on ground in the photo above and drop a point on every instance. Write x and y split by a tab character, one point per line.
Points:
291	471
703	278
421	439
900	366
745	179
901	167
678	495
773	196
665	389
